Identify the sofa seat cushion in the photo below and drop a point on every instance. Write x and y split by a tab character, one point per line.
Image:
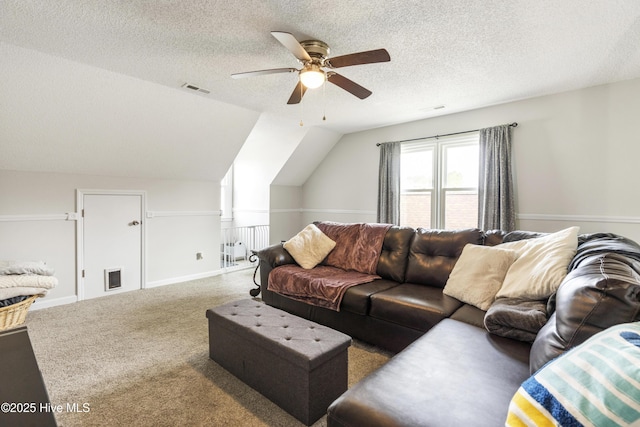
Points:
357	299
413	306
470	314
454	375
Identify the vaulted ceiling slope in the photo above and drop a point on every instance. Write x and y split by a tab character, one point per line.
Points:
60	116
460	54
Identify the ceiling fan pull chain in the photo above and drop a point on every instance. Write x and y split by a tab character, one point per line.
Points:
301	105
324	102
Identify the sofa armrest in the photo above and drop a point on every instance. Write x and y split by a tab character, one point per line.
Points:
274	256
602	291
270	258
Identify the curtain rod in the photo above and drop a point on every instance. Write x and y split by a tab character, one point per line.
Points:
514	124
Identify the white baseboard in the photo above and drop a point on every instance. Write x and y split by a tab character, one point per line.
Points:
46	302
173	280
52	302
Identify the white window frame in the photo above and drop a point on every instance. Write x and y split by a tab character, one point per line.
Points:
439	191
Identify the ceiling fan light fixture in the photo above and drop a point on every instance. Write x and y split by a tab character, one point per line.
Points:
317	67
312	76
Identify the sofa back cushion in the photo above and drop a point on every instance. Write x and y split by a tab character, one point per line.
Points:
392	264
433	253
602	290
358	245
493	237
518	235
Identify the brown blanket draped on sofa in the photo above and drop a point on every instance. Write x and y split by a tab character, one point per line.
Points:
352	262
358	246
323	285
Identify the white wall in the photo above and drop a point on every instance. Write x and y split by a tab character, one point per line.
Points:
279	152
285	217
341	187
58	115
262	156
185	221
575	155
67	126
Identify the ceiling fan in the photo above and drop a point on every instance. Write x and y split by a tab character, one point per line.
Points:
318	68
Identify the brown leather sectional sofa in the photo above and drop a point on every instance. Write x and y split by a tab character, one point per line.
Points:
450	370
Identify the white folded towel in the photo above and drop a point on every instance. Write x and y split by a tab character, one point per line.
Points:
25	267
26	284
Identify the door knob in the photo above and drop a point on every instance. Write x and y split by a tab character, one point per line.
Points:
134	222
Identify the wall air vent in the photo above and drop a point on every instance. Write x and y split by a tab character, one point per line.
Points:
195	88
112	278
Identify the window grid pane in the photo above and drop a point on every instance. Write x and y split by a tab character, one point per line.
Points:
417	169
415	209
460	165
461	209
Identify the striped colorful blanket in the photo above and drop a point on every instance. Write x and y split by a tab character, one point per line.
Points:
595	384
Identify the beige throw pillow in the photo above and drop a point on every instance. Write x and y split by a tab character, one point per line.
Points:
541	265
478	274
309	247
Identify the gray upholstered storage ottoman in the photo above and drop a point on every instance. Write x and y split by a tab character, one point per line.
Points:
299	365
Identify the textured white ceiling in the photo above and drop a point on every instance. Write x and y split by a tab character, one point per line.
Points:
462	54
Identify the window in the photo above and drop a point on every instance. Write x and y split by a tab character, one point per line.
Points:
439	182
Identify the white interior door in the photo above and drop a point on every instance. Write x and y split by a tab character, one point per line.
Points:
112	243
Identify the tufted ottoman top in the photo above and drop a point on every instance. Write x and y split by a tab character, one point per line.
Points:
300	341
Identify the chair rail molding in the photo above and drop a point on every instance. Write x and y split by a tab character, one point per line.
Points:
155	214
580	218
69	216
339	211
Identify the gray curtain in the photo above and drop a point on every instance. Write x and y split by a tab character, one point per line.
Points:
495	186
389	184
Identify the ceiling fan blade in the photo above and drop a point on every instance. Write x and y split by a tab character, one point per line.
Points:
368	57
297	94
349	85
262	72
292	44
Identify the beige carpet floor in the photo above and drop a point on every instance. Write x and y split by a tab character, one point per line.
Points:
141	359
